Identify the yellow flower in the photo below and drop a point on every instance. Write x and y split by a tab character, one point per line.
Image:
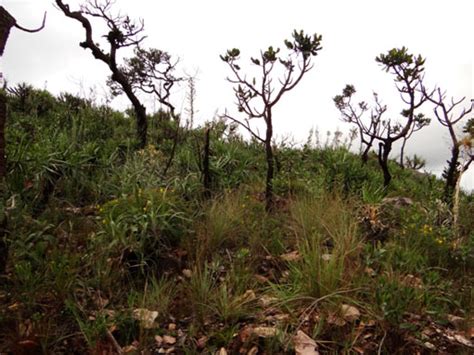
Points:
104	221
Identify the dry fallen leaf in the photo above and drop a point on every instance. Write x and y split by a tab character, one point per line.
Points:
145	317
261	278
304	345
129	349
429	346
245	334
349	313
336	320
266	301
292	256
456	321
187	273
253	351
248	296
462	340
201	342
159	340
222	351
167	339
265	332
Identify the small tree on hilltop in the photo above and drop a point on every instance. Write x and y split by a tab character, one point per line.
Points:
256	98
355	114
408	71
150	71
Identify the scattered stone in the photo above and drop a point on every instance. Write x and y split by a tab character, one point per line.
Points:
187	273
222	351
172	326
455	321
349	313
369	271
398	202
326	257
429	346
145	317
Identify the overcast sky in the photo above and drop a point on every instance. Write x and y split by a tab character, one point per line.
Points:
197	31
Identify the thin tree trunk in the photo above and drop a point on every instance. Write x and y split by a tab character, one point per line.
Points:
205	165
402	153
3	119
384	152
452	176
270	163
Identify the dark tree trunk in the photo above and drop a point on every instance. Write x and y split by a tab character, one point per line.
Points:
3	119
384	152
452	175
7	21
3	244
368	146
270	163
365	154
138	108
206	172
142	125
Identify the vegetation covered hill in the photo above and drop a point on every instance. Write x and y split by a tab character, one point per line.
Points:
110	249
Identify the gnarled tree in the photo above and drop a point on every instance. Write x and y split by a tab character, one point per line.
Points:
408	72
150	71
355	114
257	98
446	115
